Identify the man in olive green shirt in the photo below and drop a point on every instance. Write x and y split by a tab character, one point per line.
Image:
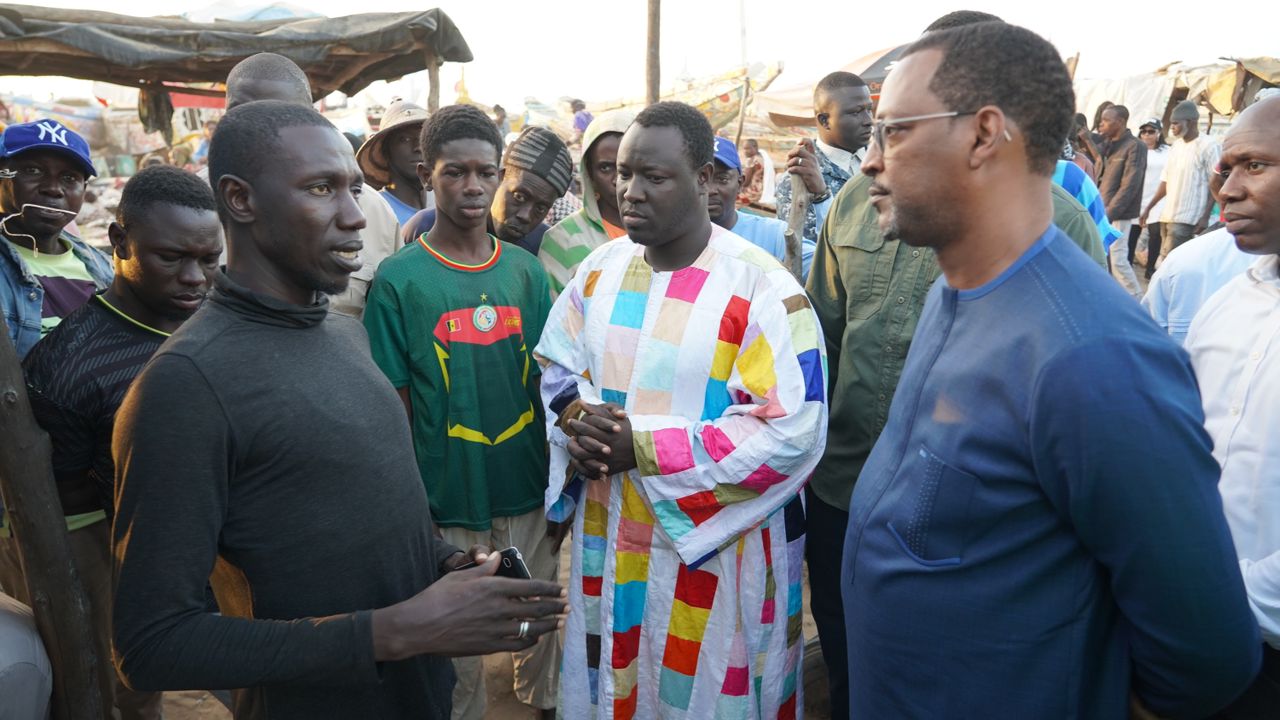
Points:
868	293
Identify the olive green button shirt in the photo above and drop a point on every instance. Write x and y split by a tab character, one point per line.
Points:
868	293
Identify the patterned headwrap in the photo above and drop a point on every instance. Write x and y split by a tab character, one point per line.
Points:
543	153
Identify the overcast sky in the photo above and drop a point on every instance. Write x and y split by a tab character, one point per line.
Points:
595	49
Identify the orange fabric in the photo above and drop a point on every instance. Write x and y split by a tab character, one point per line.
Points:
614	232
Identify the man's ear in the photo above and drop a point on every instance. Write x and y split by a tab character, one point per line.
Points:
424	176
741	179
237	197
119	241
704	175
991	131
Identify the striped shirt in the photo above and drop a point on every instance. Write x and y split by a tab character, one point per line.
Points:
1186	178
77	377
1071	178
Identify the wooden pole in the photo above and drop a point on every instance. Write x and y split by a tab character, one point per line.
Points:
433	82
652	65
742	111
792	257
34	515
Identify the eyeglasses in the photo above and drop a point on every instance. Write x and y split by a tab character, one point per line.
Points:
878	127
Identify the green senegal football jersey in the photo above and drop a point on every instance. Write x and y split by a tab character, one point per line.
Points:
461	339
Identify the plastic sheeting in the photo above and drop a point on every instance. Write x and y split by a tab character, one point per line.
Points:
1225	88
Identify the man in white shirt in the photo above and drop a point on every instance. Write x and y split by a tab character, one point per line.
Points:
1234	344
1185	180
1189	276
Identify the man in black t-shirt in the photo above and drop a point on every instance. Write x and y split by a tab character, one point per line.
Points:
165	243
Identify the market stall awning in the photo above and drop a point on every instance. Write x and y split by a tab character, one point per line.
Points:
344	53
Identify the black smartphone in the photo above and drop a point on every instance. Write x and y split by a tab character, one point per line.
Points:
510	564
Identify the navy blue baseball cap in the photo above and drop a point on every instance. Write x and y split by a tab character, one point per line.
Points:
727	153
46	134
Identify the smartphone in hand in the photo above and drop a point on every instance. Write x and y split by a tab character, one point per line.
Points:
510	564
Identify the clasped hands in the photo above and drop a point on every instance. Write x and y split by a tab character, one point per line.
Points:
600	442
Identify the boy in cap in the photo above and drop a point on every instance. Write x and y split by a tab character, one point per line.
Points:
45	272
452	320
1184	184
722	192
389	160
536	171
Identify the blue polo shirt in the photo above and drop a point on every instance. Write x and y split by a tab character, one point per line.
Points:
1035	534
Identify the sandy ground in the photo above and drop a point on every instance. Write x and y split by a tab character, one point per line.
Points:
502	703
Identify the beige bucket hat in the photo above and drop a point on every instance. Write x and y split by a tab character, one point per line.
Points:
372	157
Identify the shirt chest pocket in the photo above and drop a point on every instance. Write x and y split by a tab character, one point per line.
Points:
865	266
931	520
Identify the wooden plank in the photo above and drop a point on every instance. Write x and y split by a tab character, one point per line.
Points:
34	515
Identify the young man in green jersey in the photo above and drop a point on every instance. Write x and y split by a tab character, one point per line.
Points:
453	319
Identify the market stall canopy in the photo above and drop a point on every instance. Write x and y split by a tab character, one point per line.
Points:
344	53
793	106
1224	89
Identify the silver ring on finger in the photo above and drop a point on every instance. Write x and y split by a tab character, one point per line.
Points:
524	630
799	161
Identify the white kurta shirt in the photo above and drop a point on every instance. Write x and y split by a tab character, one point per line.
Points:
1235	348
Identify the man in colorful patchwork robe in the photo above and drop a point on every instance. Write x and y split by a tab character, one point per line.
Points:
685	377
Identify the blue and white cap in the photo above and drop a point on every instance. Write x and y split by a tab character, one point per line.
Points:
727	153
46	134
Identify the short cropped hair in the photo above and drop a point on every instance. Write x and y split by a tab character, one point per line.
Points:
248	139
699	138
273	67
162	185
457	122
1121	112
838	80
960	18
1033	87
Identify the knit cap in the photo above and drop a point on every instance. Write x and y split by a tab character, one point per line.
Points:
1185	110
543	153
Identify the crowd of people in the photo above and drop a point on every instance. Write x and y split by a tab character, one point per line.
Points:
313	391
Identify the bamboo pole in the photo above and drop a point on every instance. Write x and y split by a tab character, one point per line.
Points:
34	514
652	66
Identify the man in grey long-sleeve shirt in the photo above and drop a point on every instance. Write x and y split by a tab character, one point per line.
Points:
263	447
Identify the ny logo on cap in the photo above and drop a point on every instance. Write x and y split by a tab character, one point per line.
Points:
55	131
